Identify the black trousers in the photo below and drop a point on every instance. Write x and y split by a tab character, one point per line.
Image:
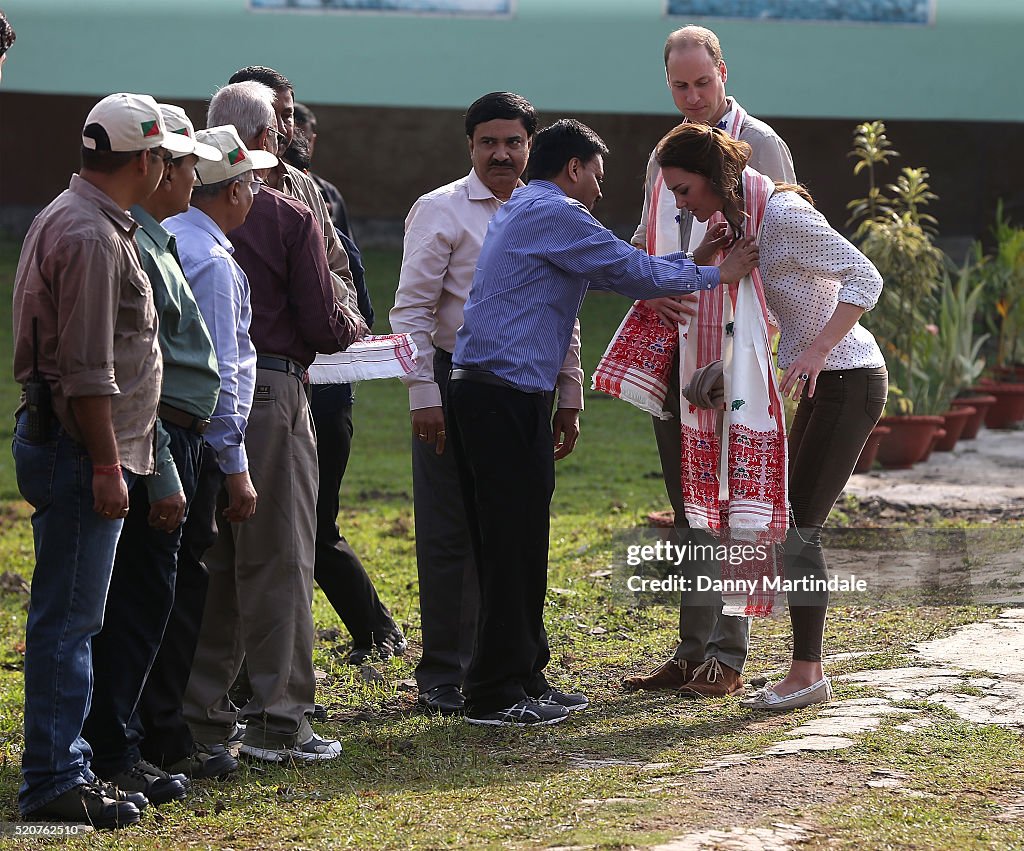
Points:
503	446
337	569
159	723
142	590
445	564
828	433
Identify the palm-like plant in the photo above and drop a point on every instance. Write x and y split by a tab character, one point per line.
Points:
896	235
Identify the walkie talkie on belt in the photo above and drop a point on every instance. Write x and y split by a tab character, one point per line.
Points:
39	412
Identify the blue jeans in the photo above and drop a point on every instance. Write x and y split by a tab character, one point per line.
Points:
138	607
74	549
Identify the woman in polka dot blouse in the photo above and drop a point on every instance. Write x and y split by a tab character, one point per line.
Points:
817	285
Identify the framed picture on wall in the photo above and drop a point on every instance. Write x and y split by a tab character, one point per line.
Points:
440	7
862	11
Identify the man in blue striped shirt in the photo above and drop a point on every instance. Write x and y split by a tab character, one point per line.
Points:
543	251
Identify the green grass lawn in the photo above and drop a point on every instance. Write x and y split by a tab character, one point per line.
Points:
408	781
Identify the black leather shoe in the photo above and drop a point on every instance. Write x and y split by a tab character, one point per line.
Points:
89	804
155	783
443	700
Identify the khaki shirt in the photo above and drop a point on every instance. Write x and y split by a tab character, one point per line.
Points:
79	275
302	187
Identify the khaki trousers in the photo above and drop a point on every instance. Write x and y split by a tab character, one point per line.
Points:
258	606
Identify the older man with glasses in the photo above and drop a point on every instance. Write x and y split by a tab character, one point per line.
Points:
261	574
87	356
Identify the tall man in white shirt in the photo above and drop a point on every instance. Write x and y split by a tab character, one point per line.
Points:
712	649
443	235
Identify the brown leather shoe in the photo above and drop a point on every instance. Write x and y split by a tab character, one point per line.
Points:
673	674
713	679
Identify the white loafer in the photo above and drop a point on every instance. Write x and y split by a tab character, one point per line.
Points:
766	699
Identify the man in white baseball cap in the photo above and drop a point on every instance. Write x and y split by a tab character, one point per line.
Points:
146	566
127	123
237	159
221	200
85	433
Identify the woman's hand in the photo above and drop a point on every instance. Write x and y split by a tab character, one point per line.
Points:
803	372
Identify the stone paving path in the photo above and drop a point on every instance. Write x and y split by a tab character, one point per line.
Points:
976	672
983	473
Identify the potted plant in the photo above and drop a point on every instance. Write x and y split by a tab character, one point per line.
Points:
952	362
909	436
1006	321
896	234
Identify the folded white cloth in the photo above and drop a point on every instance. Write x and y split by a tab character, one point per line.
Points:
381	356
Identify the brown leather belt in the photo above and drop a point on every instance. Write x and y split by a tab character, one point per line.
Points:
178	417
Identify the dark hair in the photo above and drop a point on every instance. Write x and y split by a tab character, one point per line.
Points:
714	154
304	116
297	152
261	74
107	162
556	145
7	35
507	105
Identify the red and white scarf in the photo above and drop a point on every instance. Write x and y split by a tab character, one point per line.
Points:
380	356
742	494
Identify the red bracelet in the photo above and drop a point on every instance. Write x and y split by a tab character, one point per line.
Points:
106	469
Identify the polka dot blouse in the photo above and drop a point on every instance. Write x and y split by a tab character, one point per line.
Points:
808	268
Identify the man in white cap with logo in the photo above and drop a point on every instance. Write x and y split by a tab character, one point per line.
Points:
259	600
142	588
87	355
221	200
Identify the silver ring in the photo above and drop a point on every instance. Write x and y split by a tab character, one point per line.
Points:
804	376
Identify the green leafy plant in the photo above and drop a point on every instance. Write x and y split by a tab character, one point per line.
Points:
1005	275
897	235
947	353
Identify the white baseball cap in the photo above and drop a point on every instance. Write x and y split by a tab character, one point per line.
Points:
236	161
176	121
127	122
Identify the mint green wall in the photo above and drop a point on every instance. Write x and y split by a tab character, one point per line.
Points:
565	55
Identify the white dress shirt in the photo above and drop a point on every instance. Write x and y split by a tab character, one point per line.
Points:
444	232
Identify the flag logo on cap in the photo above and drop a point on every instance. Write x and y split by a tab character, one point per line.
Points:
236	156
150	128
182	131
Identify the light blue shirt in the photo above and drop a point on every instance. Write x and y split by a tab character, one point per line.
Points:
543	251
222	293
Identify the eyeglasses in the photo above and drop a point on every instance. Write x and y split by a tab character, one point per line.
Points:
278	136
254	184
160	153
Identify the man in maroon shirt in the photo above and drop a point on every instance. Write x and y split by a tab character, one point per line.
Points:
258	606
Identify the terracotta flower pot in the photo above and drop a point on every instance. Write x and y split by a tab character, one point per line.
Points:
1012	374
908	440
1008	409
939	435
870	450
981	402
955	420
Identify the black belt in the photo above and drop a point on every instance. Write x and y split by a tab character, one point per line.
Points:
288	367
178	417
482	376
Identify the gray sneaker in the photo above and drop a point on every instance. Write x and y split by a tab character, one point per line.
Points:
314	749
526	713
572	702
